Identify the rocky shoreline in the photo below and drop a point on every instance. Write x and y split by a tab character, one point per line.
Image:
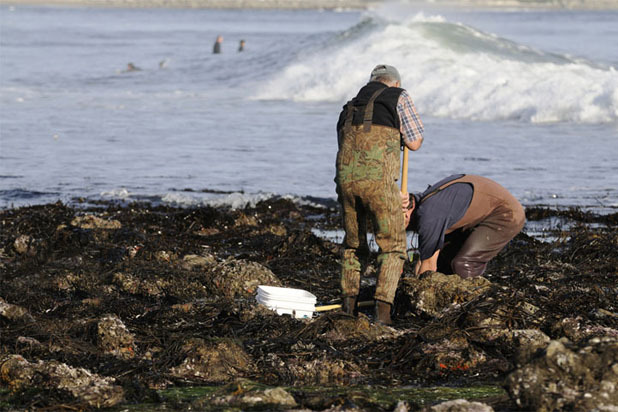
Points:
324	4
113	305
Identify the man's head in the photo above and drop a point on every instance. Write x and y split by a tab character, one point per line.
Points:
385	74
410	205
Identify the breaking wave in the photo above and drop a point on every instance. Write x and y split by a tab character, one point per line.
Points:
453	70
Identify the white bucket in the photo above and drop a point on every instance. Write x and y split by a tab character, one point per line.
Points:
296	302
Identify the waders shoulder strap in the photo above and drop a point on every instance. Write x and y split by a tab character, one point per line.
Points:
350	110
441	188
369	110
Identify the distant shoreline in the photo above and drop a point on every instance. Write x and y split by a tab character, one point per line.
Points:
323	4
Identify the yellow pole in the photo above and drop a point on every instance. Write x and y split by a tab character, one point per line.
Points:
337	306
404	171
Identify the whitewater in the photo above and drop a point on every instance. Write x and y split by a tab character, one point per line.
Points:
528	98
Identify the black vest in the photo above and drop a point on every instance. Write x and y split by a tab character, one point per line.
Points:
385	106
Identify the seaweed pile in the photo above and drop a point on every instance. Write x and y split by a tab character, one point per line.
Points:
106	306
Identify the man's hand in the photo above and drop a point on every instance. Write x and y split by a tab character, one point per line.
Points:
405	203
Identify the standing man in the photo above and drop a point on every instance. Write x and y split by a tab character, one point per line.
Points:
462	222
370	131
216	49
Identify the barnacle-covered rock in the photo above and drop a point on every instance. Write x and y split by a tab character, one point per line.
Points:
569	377
95	390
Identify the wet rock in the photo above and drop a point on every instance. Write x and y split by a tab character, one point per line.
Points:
126	282
452	354
569	377
240	278
270	399
459	405
246	220
577	330
320	371
276	229
114	338
95	222
165	256
191	262
243	393
435	292
27	343
345	328
131	284
95	390
14	313
24	245
217	361
527	343
401	407
496	320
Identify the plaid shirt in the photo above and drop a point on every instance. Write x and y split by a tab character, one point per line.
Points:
411	125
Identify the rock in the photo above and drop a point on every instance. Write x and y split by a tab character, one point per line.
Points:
24	245
401	406
577	330
218	361
451	354
528	342
244	220
24	342
319	371
240	278
246	394
569	376
432	294
459	405
164	256
94	222
95	390
278	397
14	313
114	338
190	262
128	283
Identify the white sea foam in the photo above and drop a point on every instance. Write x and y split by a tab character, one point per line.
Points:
116	194
455	71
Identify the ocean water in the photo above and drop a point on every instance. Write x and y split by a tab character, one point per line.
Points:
528	98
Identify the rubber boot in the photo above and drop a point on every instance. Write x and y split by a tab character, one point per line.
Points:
383	312
349	304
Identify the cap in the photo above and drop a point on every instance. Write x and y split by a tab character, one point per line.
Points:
384	70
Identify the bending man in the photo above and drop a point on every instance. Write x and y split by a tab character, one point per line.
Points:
370	131
462	222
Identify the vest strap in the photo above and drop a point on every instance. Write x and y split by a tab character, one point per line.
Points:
351	109
441	188
369	110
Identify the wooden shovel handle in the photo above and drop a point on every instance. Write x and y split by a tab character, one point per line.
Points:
404	171
337	306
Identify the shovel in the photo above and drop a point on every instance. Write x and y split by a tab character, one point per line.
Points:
338	306
404	171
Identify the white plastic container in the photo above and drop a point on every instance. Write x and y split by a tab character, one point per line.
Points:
296	302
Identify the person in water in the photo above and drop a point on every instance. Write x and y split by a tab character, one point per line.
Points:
132	68
216	49
241	46
462	222
371	129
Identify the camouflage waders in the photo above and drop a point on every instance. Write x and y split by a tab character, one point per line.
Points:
367	171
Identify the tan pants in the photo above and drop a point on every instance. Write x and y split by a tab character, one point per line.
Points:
467	252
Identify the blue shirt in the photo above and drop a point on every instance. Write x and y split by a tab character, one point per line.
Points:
437	213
